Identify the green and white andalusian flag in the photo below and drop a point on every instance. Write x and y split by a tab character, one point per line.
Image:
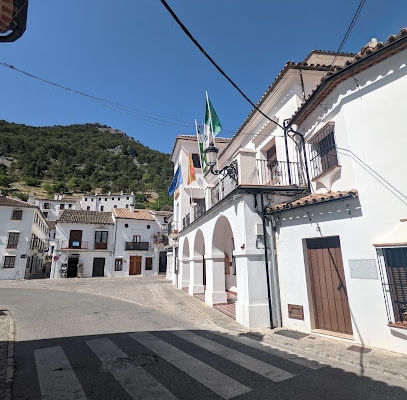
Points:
212	124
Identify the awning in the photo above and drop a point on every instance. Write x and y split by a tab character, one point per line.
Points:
397	237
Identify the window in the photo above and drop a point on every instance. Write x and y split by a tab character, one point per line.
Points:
127	206
396	267
91	199
149	263
196	160
12	240
118	264
86	199
69	205
17	214
102	208
323	151
127	198
87	208
115	206
101	239
46	206
136	238
9	261
61	206
45	214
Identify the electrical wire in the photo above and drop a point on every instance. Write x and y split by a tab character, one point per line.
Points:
351	25
149	117
186	31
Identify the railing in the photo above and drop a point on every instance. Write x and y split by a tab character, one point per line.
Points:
222	189
280	173
186	220
199	210
137	245
74	245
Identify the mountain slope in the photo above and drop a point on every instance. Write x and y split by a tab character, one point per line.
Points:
80	158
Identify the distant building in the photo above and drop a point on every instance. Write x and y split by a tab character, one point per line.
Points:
23	239
121	242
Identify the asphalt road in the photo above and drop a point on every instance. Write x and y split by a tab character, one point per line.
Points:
79	345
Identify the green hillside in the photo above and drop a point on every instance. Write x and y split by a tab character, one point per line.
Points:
81	159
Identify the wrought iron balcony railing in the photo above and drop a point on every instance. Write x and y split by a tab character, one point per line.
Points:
138	246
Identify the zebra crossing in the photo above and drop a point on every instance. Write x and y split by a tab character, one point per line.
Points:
195	355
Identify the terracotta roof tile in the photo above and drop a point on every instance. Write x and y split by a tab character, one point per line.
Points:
85	217
370	54
14	202
313	198
140	214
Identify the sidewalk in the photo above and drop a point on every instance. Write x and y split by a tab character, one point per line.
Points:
6	353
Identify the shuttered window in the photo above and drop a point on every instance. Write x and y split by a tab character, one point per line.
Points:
12	241
396	266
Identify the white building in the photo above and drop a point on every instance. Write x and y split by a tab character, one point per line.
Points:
23	239
342	250
326	203
122	242
52	209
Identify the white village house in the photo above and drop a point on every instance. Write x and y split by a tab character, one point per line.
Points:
23	238
121	242
311	235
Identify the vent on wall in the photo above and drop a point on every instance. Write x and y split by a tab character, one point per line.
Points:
295	311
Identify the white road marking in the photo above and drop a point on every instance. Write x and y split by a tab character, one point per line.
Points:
268	348
56	376
219	383
133	378
259	367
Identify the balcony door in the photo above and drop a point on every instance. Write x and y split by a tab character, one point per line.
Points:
75	239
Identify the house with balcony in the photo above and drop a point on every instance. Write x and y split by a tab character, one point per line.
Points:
341	250
228	249
121	242
23	239
85	244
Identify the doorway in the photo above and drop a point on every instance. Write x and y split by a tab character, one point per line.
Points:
135	265
328	285
72	271
98	266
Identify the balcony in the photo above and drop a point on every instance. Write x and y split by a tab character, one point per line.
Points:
82	245
280	173
138	246
222	189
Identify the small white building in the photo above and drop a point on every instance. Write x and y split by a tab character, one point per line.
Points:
107	202
122	242
23	239
52	209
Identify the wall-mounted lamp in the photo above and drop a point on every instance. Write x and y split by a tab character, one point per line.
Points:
211	153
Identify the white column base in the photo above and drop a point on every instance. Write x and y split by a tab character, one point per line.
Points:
253	316
212	298
196	289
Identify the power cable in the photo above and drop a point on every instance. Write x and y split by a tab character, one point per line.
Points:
153	118
351	25
186	31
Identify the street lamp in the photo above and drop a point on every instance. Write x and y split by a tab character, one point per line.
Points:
211	153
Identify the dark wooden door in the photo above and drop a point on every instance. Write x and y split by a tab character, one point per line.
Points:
72	268
328	285
135	265
98	266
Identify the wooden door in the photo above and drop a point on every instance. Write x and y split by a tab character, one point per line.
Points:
135	265
328	285
98	266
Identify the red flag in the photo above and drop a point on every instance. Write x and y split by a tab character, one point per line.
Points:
191	170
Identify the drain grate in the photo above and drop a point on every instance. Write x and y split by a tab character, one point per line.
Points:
292	334
359	349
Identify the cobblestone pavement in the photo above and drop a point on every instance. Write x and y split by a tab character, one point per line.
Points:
160	294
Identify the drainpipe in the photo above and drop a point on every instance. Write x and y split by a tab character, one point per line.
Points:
274	273
263	217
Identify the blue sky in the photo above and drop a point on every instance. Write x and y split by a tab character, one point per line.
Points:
133	53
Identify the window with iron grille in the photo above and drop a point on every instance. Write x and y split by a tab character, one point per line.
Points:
395	260
323	151
12	240
17	214
149	263
118	264
9	261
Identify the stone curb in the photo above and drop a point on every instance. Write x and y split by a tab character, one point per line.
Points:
10	354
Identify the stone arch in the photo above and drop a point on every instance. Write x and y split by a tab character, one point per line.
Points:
199	252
